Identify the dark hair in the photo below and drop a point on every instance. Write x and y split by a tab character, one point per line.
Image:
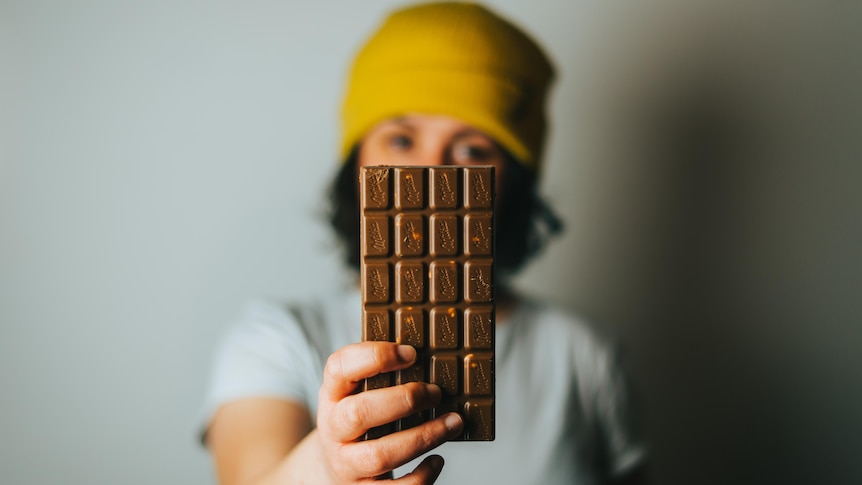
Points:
523	224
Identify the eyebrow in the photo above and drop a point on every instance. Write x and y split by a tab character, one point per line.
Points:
403	122
467	131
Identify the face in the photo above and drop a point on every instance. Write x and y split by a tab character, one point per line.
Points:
429	140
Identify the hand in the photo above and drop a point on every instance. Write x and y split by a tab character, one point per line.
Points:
343	417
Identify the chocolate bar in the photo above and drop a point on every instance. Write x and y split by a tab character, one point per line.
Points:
427	252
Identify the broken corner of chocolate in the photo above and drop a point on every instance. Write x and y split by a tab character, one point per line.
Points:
427	254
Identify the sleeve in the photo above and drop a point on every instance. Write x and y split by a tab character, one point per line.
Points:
265	353
618	416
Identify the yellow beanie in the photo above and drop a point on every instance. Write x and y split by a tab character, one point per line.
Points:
454	59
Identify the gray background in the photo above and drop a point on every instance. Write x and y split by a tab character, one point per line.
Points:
163	161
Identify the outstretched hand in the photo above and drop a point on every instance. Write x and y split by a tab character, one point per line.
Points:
343	416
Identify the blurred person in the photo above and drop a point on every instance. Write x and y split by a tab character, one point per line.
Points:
437	84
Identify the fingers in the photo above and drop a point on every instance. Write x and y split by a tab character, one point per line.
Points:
375	457
343	416
355	414
424	474
352	363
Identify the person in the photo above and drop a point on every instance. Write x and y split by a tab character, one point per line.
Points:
437	84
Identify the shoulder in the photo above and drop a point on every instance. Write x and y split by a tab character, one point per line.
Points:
266	337
266	315
267	324
278	348
272	334
312	318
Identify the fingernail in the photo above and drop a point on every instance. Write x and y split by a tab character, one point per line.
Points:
406	353
453	421
434	391
436	461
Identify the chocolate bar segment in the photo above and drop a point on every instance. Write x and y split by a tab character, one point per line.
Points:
427	251
376	277
375	326
375	189
477	232
479	185
409	235
410	187
444	235
444	185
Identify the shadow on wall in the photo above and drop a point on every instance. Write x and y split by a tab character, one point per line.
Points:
734	134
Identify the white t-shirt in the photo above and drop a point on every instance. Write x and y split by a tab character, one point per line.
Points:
563	414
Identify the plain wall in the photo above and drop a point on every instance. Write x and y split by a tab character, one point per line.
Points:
161	162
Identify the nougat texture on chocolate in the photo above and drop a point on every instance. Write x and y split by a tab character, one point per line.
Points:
427	253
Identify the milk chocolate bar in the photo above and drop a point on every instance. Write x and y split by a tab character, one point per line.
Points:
427	252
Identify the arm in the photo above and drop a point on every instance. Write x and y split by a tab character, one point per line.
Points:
249	437
260	441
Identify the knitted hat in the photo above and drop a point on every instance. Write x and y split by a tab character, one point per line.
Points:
454	59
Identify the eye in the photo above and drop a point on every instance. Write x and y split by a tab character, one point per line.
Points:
400	142
474	151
